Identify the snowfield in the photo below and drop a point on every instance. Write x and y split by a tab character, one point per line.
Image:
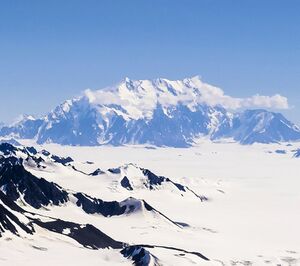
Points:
249	214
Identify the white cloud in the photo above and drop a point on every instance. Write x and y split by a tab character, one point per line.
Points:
276	101
139	98
213	96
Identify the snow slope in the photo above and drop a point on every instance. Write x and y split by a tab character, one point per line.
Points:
251	216
33	204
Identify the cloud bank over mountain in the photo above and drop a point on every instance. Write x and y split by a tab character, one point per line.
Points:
140	97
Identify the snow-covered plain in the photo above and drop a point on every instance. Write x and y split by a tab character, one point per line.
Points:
251	216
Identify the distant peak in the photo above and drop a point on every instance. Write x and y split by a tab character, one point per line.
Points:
23	118
127	79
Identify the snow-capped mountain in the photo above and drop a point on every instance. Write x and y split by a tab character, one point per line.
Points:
259	126
33	207
160	112
132	179
20	185
25	127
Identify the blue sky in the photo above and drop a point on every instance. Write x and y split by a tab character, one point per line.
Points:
53	50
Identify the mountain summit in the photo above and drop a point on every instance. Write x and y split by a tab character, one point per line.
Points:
160	112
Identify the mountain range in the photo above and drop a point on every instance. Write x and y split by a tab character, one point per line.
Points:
29	205
158	112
